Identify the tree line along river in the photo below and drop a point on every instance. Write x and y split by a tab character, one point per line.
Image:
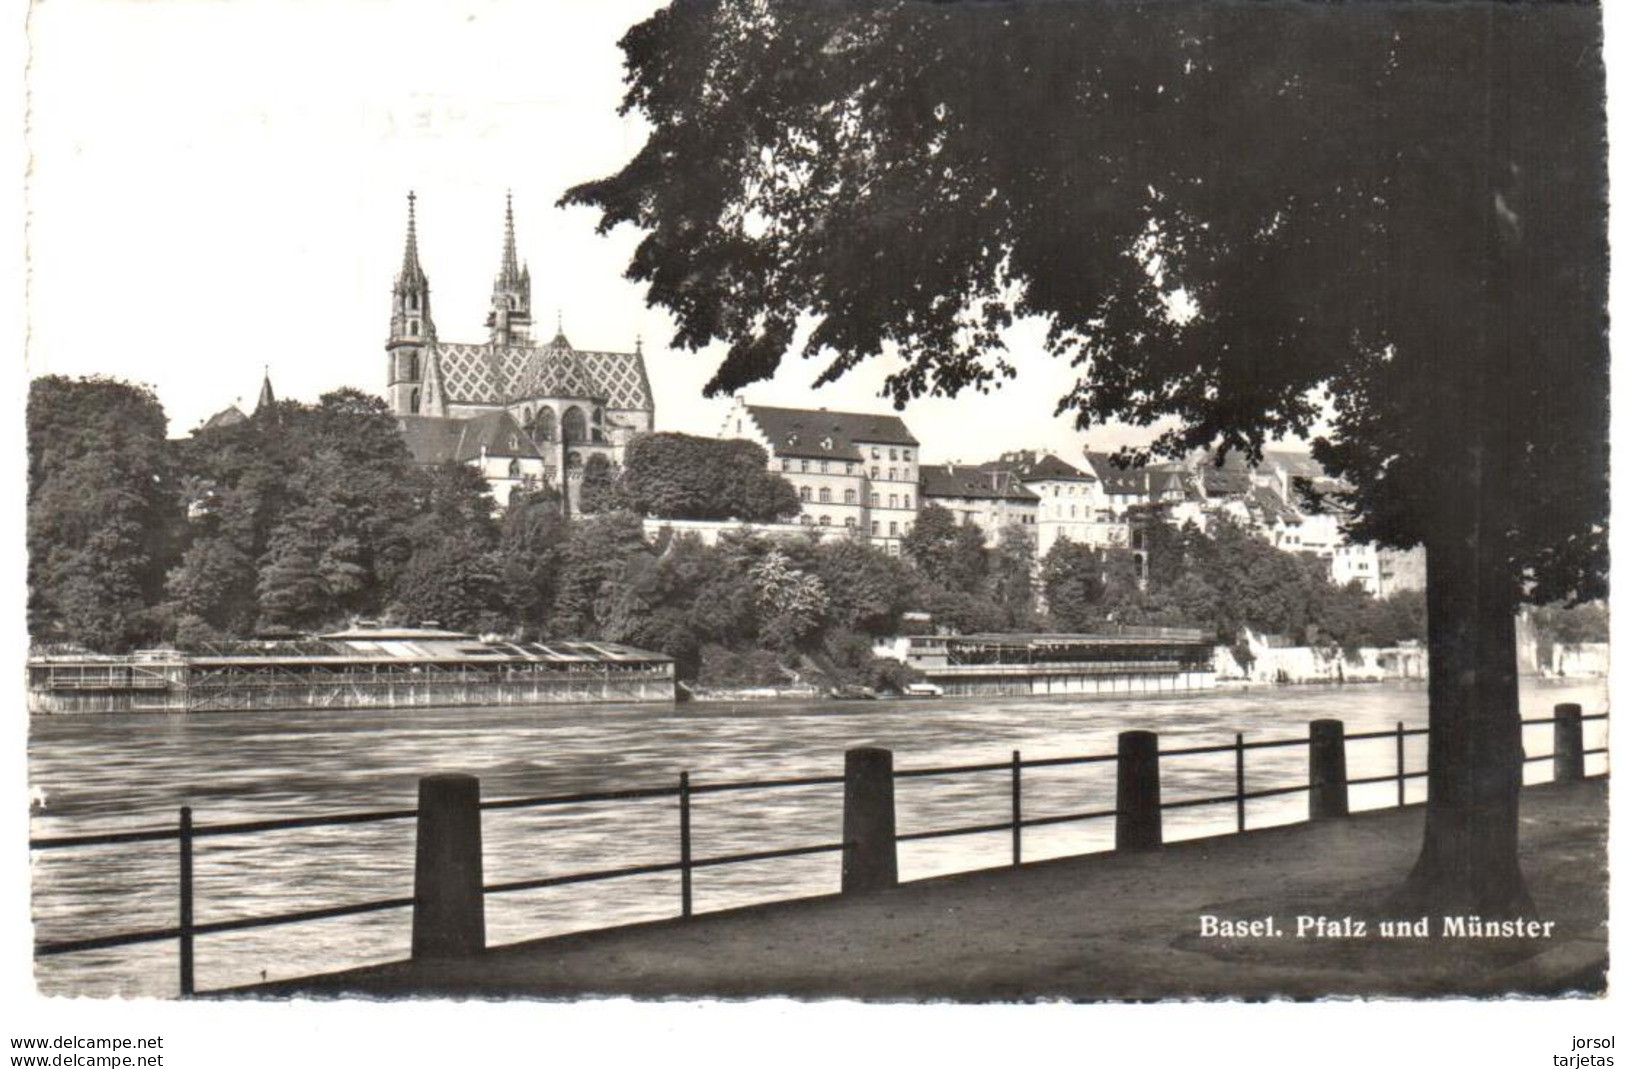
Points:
105	773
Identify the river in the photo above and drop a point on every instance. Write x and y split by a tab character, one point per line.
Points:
102	773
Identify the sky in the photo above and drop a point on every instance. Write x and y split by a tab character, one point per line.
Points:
220	188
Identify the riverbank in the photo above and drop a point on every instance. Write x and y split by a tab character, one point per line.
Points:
1101	927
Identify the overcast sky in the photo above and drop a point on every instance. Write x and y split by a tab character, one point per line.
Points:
217	187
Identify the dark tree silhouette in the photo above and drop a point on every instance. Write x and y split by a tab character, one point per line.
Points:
1225	213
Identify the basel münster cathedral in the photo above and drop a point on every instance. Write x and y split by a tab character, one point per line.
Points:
526	415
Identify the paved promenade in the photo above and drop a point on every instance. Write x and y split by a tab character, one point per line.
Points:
1091	928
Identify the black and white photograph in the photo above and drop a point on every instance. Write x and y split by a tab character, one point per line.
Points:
779	531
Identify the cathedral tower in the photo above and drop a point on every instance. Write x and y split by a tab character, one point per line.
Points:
411	329
509	319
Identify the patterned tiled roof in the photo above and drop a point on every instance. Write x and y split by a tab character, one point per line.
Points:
491	374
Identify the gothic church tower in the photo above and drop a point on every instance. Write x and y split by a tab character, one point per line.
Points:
509	318
411	329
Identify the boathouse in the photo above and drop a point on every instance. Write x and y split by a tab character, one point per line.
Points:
354	669
1137	660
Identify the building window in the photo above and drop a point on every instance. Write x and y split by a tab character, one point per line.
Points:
874	500
892	528
891	501
849	466
874	527
908	501
513	469
784	465
851	521
874	454
806	521
894	454
806	493
823	495
849	497
874	472
823	521
907	455
803	465
891	474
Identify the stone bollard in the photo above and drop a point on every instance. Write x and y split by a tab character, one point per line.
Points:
1328	771
1568	744
448	918
1139	792
869	827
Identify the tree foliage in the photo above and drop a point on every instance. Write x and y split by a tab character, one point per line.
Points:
101	509
1224	213
681	476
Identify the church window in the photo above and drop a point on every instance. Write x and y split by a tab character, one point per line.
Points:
823	495
573	460
545	424
513	441
412	327
574	425
412	404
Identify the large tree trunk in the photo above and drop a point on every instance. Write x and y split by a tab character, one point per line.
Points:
1469	860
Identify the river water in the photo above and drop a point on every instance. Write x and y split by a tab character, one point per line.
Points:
103	773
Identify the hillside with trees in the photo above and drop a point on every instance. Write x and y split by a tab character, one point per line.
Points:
306	517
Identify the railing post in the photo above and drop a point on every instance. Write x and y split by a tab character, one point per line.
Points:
1015	807
448	918
1139	792
685	848
188	976
1241	784
869	824
1568	744
1399	761
1328	771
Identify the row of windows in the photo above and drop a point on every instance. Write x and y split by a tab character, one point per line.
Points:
874	453
850	497
841	467
851	523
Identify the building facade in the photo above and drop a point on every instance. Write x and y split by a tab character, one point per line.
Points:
990	496
856	472
526	414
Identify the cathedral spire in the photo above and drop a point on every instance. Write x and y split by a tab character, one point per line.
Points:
509	318
510	253
411	270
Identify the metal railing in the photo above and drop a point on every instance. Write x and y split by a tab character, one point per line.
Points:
186	832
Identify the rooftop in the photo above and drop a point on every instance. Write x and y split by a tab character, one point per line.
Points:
802	432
